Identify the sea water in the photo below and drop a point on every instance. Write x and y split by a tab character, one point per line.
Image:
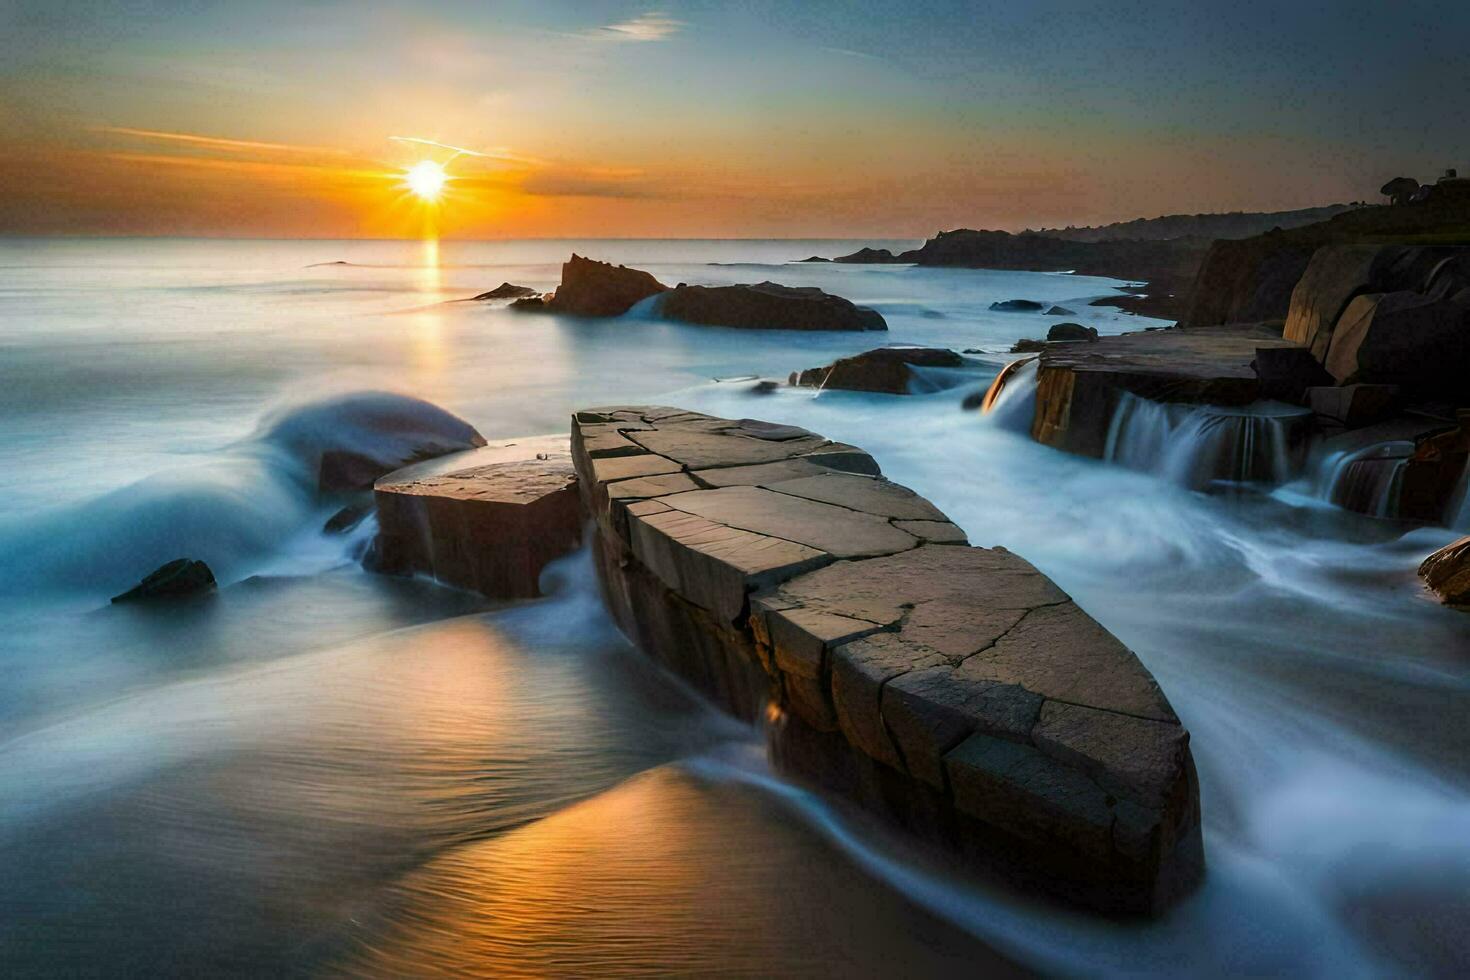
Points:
317	770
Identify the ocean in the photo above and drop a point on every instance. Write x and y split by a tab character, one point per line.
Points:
323	771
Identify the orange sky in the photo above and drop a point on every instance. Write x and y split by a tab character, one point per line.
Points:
702	121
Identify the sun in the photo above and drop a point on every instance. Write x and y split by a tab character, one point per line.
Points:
426	179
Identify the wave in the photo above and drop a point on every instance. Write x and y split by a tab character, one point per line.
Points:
235	508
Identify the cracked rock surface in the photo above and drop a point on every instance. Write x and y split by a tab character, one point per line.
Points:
963	673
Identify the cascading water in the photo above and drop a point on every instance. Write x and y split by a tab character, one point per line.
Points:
1010	403
1365	480
1457	515
1199	446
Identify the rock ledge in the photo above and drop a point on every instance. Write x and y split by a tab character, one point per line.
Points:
953	688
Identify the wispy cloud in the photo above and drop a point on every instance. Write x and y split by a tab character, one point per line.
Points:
645	27
215	142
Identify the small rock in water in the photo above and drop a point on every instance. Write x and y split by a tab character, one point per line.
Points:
180	577
1071	331
1017	306
507	290
1028	346
1060	311
1447	573
765	387
348	517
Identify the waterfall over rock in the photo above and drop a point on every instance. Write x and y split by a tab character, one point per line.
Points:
1198	446
1011	401
1365	480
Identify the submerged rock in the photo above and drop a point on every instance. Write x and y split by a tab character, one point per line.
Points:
531	304
180	577
349	441
1060	311
592	288
767	305
1447	573
348	517
884	369
507	290
1017	306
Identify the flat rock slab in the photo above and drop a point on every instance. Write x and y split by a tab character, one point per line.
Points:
1191	354
488	520
963	670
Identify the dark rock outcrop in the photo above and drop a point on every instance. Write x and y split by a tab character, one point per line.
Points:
869	256
767	306
507	290
1406	339
1060	311
884	369
592	288
488	520
1017	306
172	580
1447	573
1286	373
1353	406
955	689
1253	279
815	258
1071	331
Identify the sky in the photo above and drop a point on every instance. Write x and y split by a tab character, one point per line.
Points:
764	118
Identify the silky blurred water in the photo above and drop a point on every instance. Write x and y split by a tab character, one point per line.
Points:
321	771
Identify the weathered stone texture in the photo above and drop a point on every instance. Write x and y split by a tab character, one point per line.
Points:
488	520
955	688
1447	572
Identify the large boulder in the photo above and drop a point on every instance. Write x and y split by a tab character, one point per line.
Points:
1404	338
1447	573
767	306
1335	274
884	369
172	580
488	520
592	288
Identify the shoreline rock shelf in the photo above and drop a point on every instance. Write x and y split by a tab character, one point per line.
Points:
1079	385
954	688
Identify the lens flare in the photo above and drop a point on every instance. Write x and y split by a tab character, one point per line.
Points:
426	179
